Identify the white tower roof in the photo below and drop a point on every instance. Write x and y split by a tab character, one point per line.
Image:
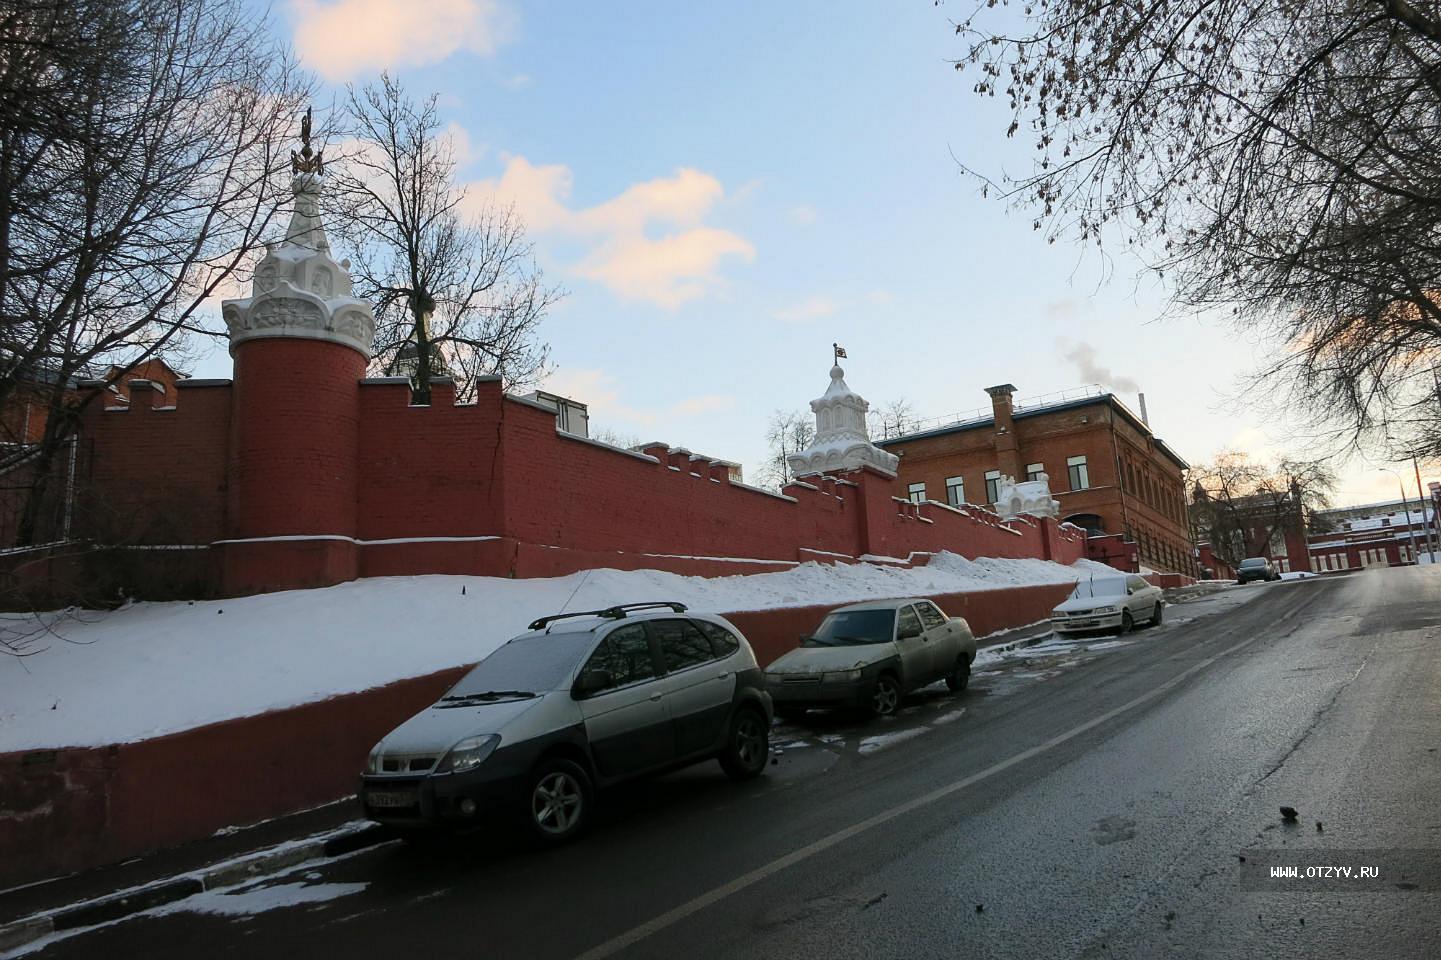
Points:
842	442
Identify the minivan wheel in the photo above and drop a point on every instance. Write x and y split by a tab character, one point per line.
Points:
885	696
747	746
961	676
559	800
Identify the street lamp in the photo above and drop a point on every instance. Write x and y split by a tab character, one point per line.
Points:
1406	505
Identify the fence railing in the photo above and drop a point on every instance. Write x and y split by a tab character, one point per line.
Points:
922	425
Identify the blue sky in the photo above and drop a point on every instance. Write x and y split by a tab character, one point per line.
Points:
725	189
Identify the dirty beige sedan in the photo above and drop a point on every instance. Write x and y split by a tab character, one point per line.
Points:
870	655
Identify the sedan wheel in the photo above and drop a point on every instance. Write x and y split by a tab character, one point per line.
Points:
886	696
960	677
1127	623
560	800
1156	616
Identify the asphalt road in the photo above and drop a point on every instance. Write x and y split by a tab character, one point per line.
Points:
1083	799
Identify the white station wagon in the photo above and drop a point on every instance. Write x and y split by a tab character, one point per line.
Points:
1109	603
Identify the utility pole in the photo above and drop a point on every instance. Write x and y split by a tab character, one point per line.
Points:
1406	505
1426	528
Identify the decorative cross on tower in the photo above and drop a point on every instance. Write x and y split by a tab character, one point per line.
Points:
307	160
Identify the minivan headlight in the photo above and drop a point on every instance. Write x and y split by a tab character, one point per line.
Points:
468	754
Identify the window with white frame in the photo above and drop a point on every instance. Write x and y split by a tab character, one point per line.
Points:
917	492
1034	470
1078	472
993	486
955	491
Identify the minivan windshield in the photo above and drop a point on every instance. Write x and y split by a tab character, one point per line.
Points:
1103	587
525	667
849	628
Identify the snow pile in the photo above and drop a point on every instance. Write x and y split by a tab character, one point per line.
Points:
155	668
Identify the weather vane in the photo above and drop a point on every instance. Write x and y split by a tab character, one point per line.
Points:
307	160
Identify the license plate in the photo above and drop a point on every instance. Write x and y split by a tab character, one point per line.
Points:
390	798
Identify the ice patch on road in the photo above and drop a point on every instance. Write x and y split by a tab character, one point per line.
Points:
251	901
882	741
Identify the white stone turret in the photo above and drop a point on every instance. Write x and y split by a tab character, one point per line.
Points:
842	442
298	290
1028	496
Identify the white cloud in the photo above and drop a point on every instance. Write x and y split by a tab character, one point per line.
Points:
811	308
599	392
649	242
341	39
802	216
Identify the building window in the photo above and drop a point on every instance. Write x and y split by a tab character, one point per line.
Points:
993	486
1079	474
955	491
917	492
1034	470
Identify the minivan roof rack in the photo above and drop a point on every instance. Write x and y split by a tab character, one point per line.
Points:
616	612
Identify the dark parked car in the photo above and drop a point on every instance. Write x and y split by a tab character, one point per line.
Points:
1256	568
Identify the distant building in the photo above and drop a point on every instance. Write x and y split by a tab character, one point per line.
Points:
571	416
1111	474
27	410
1390	533
1270	524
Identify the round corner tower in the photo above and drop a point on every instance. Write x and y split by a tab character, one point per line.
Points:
300	344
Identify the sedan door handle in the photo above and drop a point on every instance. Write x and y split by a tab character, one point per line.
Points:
723	675
654	697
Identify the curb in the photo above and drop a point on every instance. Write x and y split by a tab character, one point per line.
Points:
230	873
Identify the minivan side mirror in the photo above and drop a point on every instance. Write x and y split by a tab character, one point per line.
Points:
590	682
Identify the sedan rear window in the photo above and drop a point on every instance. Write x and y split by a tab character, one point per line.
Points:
845	628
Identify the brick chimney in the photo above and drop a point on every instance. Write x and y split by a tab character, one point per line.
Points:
1008	457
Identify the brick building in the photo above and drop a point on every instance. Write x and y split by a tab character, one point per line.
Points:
1373	534
1112	475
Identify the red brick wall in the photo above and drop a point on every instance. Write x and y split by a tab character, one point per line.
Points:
155	476
337	478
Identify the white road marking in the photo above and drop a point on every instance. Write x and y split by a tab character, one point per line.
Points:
675	915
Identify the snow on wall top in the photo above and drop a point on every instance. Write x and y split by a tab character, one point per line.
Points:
148	669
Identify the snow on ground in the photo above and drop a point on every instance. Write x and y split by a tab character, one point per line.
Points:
98	677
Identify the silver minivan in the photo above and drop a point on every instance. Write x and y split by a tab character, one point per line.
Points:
578	702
